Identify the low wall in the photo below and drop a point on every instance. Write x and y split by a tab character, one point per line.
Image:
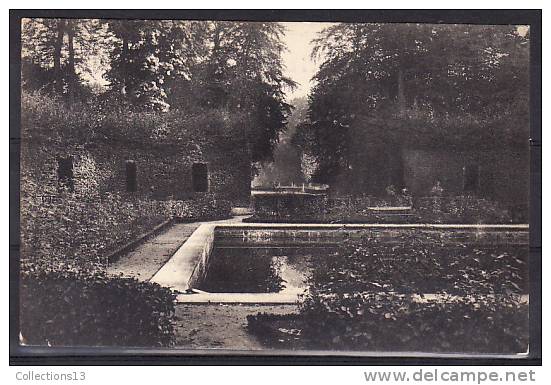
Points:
200	271
189	263
304	234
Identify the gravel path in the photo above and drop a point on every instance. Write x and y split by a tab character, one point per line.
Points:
145	260
219	326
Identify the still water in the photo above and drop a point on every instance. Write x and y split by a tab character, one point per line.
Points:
262	269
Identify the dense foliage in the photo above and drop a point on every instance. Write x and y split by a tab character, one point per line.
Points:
462	209
81	231
46	118
364	299
383	86
162	65
392	323
147	55
361	209
244	73
436	263
435	209
64	306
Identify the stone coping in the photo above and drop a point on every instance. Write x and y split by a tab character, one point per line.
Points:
306	226
191	259
285	193
177	272
286	297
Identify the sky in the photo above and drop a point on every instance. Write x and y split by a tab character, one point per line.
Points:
298	65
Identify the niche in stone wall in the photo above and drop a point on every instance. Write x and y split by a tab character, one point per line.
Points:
200	177
65	174
131	176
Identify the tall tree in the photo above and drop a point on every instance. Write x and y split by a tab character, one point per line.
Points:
162	64
381	86
246	69
242	72
260	83
55	53
60	32
147	55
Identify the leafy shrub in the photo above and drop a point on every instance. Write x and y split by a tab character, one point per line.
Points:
203	207
342	209
207	128
460	209
370	295
289	207
64	306
423	262
388	322
45	117
350	209
82	230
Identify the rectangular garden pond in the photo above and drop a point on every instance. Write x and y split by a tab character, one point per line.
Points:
276	263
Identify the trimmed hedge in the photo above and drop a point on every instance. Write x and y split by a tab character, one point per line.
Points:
44	117
358	209
386	322
460	209
67	307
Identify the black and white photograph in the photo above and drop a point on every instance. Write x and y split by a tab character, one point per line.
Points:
353	188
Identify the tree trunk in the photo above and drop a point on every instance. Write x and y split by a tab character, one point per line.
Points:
401	93
58	75
124	57
72	76
216	38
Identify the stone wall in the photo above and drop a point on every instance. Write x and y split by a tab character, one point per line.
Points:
97	214
503	174
163	171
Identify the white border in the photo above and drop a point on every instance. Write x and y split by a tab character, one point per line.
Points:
256	375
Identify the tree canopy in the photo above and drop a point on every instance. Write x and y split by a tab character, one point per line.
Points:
55	54
382	86
157	65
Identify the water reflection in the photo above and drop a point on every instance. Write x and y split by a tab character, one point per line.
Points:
262	269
